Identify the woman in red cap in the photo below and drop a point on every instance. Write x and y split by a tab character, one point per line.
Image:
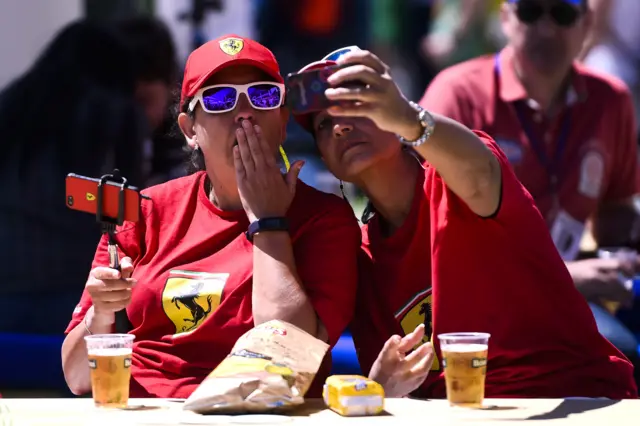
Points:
454	244
232	245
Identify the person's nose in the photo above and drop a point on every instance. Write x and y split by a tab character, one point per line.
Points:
342	129
244	110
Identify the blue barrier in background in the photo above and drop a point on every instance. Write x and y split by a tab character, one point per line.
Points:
29	361
345	360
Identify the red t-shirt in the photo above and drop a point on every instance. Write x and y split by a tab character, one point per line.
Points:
594	132
194	268
457	272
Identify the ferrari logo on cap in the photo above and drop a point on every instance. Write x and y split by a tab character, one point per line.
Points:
231	46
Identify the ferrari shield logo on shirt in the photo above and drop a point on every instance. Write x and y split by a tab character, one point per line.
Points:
512	150
591	174
418	311
190	297
231	46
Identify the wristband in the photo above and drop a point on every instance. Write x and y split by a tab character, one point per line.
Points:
267	224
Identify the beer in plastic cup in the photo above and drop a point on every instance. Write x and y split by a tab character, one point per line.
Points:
464	358
110	365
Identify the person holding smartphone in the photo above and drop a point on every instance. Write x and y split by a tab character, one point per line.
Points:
452	242
231	246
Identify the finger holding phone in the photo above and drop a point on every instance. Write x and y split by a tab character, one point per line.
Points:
376	97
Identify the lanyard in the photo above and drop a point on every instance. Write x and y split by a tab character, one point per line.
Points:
550	165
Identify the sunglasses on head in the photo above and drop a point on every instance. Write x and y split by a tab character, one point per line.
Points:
561	12
338	53
262	95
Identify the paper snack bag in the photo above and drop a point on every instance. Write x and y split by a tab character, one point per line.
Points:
270	367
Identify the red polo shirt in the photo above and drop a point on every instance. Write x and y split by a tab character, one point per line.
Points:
454	271
594	132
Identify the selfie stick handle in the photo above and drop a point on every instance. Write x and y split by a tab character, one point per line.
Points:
112	249
123	325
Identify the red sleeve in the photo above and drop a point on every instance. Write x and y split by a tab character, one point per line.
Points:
446	98
624	177
326	260
129	237
515	201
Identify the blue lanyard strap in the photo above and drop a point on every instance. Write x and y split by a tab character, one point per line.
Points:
551	166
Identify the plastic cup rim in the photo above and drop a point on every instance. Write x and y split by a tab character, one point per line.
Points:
464	335
110	336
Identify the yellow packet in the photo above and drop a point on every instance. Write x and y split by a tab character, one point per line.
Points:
353	395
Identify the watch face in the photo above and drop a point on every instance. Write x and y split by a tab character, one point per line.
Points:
427	119
428	124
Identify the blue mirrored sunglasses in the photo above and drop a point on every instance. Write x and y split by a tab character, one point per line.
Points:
262	95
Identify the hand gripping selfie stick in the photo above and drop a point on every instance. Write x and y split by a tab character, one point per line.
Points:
108	225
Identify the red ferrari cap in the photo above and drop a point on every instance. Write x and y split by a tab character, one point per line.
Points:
223	52
305	120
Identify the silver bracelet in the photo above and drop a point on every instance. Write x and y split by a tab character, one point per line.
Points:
426	121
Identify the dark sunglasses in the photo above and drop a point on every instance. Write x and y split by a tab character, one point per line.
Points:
561	12
264	95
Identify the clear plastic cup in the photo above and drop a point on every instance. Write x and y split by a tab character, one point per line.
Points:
464	358
110	364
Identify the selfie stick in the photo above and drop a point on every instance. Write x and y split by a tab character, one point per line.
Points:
108	225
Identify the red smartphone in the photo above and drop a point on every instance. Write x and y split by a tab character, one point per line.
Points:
82	195
305	90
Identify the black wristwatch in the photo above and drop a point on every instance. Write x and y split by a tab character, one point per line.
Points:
267	224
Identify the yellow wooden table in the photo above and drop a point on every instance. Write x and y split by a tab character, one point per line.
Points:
503	412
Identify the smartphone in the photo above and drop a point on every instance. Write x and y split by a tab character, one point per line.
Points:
82	195
305	90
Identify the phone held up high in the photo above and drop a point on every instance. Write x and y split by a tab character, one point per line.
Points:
305	90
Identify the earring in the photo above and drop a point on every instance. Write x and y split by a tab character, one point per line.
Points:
197	147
